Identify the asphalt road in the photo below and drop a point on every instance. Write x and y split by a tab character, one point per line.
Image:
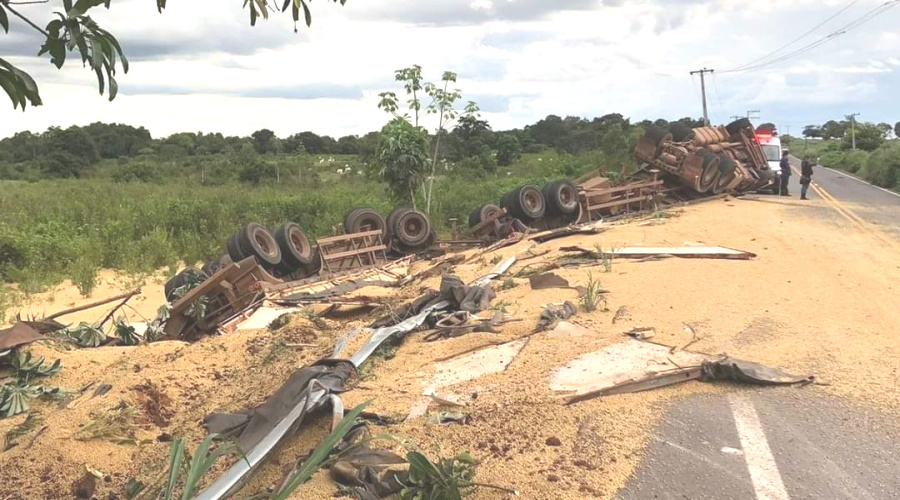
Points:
870	204
781	443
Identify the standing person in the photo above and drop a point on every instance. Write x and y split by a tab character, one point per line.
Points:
806	171
785	173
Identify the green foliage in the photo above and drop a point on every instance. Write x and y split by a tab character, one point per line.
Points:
32	421
402	158
448	479
126	333
198	308
72	29
86	335
116	425
318	456
882	168
186	475
869	137
593	295
14	396
508	150
850	161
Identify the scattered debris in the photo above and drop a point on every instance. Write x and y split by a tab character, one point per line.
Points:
31	422
553	313
662	252
101	390
448	417
622	314
641	333
547	280
85	486
16	336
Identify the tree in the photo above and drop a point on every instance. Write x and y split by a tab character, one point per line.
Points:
766	128
442	104
897	130
402	158
508	150
811	131
262	140
869	137
833	129
73	30
293	144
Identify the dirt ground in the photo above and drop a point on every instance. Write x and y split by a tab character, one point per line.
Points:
819	299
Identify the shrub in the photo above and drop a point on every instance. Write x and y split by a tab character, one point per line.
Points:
883	166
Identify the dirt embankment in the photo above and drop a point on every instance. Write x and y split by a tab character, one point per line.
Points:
807	304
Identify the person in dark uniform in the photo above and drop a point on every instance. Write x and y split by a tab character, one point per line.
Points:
785	173
806	171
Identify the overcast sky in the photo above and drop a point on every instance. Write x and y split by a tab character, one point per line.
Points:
200	67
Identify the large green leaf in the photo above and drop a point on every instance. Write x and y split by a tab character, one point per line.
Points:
318	456
176	457
4	19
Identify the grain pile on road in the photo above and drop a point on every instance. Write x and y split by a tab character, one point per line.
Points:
495	386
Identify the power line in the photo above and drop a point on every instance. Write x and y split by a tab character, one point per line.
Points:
801	37
868	16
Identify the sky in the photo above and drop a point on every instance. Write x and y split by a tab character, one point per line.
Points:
199	66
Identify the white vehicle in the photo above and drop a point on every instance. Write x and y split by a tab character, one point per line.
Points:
771	146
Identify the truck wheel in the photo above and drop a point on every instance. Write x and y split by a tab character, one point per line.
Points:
681	132
181	279
710	172
257	241
296	249
561	197
482	213
726	164
364	219
391	223
412	228
526	202
737	125
234	249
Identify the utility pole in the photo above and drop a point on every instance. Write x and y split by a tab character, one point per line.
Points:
703	73
852	119
753	114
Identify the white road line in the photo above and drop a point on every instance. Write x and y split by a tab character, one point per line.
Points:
760	462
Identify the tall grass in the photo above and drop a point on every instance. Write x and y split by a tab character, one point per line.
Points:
68	229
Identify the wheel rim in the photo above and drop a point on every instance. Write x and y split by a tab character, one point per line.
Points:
264	243
567	197
532	202
299	242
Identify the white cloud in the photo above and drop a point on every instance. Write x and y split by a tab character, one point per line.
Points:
199	66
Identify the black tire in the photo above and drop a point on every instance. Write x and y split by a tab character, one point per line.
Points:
659	135
296	250
391	222
737	125
412	229
681	132
710	174
257	241
234	249
561	197
722	182
211	267
180	280
726	164
526	202
360	219
482	213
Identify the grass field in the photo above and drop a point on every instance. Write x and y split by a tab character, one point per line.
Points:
56	230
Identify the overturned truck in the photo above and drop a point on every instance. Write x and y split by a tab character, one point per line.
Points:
708	160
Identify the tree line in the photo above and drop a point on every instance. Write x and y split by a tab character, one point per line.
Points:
472	143
869	136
